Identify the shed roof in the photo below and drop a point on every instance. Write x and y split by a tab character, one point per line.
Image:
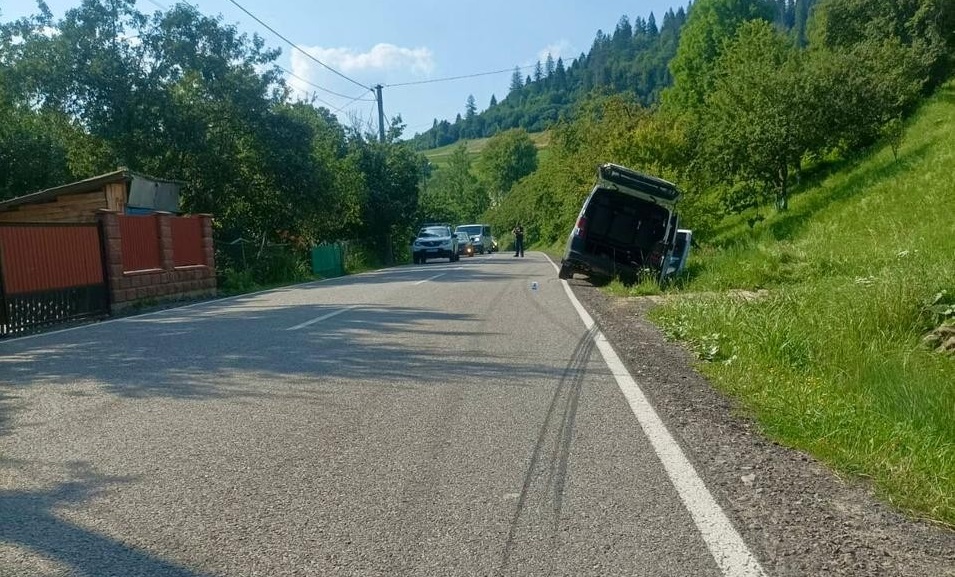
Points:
82	186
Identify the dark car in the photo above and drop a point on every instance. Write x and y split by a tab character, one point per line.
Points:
465	246
434	241
626	228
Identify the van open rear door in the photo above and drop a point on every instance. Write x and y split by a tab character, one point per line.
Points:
656	190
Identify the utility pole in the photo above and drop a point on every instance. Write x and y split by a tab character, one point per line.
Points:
381	114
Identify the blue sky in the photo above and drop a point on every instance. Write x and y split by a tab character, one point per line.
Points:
399	41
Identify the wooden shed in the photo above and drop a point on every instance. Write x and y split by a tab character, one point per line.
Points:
122	191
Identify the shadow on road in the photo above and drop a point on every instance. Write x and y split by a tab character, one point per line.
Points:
29	521
244	349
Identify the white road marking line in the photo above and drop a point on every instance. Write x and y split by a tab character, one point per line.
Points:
430	278
725	544
321	318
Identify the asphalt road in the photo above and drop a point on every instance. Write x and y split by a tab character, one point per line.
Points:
442	419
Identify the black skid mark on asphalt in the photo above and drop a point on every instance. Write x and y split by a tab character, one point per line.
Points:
564	321
546	476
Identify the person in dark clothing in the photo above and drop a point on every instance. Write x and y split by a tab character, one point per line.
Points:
518	240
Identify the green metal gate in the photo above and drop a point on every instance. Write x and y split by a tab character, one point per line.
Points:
327	260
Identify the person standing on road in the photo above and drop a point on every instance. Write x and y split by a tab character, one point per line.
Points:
519	240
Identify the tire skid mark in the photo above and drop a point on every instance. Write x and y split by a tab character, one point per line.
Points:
546	481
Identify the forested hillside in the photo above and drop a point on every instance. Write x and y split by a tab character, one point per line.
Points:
751	113
631	60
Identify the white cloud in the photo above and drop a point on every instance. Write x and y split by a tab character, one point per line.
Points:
382	57
560	49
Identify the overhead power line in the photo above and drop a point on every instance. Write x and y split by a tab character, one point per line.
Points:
313	85
449	78
295	46
353	100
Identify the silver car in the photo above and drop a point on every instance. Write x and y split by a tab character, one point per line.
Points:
434	241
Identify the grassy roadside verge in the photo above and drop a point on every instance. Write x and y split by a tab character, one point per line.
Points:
831	361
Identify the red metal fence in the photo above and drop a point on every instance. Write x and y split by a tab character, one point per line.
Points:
187	246
50	274
37	258
141	249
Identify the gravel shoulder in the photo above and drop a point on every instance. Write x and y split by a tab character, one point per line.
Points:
798	516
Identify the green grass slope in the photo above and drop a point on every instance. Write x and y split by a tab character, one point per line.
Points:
439	156
831	359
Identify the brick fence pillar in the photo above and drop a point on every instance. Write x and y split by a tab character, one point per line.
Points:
113	247
208	248
165	241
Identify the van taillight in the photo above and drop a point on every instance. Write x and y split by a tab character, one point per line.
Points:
581	228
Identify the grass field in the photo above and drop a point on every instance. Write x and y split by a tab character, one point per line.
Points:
439	156
831	360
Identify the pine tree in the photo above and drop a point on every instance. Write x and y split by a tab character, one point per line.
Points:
470	108
560	75
516	82
801	17
623	33
493	102
639	67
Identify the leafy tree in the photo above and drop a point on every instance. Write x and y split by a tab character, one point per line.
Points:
709	25
453	193
758	122
194	100
391	175
507	157
926	28
33	155
864	87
